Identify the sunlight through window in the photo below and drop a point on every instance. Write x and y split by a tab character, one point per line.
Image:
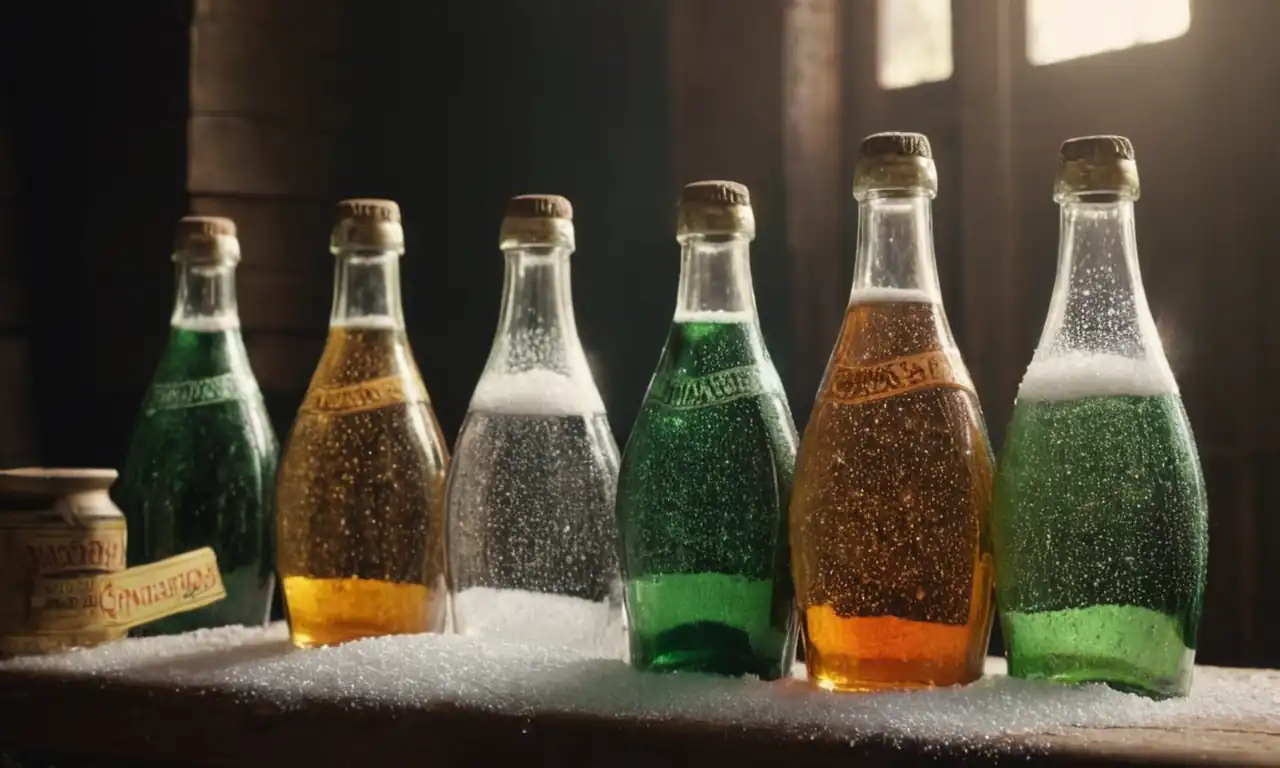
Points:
1058	30
914	42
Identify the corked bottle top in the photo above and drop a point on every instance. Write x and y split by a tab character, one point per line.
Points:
367	224
1099	168
715	208
206	240
537	220
895	161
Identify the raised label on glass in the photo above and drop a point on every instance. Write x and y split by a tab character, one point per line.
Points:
712	389
227	387
856	384
365	396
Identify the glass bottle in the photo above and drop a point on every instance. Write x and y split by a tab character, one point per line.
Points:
706	473
361	487
1100	519
893	480
530	501
201	466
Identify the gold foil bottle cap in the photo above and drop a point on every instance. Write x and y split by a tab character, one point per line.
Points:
715	208
537	220
367	224
206	240
1099	168
895	162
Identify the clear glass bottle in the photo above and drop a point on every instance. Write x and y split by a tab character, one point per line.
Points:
1100	520
706	474
530	501
361	490
893	480
201	466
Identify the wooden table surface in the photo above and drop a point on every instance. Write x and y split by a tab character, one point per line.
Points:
244	697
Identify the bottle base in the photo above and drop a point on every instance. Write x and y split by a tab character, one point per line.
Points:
710	663
1080	671
334	611
1126	647
706	647
887	653
883	675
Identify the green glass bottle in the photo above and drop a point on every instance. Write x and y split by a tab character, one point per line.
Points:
1099	518
202	460
706	474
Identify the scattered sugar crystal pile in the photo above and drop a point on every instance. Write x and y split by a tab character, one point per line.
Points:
588	626
430	670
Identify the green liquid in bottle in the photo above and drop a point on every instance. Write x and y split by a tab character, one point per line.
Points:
201	472
1100	525
702	497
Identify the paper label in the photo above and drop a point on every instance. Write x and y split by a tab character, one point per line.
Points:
149	592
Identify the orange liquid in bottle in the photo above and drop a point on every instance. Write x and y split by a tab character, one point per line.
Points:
888	518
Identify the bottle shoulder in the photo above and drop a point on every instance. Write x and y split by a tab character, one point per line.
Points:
353	355
698	348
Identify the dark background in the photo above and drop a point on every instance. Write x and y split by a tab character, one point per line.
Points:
118	118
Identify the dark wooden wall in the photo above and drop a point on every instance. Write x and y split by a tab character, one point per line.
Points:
269	110
17	401
272	86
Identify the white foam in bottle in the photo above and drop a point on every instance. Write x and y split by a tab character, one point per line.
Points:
1075	375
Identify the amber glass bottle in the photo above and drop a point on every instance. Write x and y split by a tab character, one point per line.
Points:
888	518
361	489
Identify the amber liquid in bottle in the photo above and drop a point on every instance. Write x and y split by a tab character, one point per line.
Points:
894	568
888	518
361	490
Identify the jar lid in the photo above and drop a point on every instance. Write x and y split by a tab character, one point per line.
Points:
49	482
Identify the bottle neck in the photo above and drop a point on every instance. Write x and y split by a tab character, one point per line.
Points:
715	277
205	298
367	290
895	259
536	329
1098	304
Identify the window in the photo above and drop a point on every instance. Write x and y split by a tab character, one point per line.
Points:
913	38
1058	30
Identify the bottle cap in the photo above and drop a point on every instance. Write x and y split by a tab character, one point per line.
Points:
206	240
895	161
1100	167
536	220
367	224
715	208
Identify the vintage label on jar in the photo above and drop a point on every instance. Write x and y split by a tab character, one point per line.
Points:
131	597
64	583
41	551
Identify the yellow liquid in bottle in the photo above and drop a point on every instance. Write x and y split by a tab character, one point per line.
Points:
329	611
360	497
